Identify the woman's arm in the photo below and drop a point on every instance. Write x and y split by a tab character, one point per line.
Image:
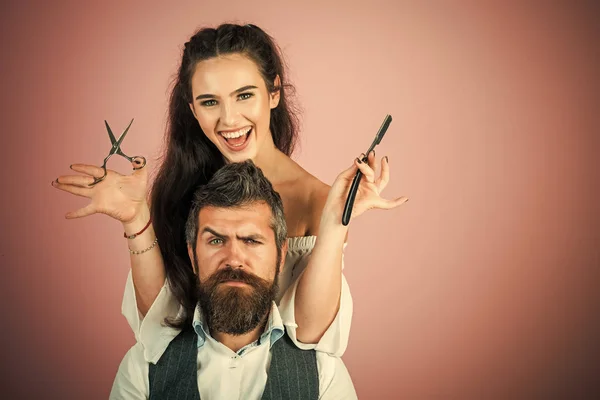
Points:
122	197
147	268
318	293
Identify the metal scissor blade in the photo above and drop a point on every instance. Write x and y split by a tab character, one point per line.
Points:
118	144
113	141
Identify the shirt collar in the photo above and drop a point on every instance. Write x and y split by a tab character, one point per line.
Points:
274	329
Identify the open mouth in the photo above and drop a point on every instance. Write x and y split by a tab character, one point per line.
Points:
236	140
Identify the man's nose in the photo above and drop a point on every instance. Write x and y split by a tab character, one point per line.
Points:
235	255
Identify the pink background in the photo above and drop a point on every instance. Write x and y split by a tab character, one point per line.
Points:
484	285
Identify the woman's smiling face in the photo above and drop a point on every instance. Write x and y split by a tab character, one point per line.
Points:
232	105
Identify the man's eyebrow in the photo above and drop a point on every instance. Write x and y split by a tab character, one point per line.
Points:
254	236
212	96
207	229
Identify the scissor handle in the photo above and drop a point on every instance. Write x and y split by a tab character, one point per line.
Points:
98	180
141	166
131	159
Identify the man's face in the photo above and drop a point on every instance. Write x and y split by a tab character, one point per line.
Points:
237	266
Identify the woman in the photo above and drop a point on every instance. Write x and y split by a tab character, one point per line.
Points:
230	102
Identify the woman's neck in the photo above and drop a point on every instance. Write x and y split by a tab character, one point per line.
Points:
274	164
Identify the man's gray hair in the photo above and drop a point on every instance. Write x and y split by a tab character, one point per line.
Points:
237	185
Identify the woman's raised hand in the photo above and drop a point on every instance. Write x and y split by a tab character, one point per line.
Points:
369	191
122	197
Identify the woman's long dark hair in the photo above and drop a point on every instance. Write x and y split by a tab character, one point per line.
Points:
191	158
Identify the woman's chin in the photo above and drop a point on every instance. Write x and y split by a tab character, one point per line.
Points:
247	154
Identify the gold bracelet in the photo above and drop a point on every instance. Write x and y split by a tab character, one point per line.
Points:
136	252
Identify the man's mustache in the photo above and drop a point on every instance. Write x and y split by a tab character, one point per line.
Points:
237	275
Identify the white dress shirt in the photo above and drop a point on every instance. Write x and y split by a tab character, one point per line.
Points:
225	374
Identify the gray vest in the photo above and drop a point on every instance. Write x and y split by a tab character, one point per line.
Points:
293	373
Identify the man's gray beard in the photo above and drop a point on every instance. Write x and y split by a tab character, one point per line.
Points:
236	310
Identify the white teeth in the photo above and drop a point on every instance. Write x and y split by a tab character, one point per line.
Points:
236	134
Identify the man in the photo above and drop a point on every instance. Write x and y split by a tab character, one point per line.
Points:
237	346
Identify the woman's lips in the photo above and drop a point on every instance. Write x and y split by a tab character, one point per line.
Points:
238	143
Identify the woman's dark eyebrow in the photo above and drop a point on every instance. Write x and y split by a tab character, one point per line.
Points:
244	88
212	96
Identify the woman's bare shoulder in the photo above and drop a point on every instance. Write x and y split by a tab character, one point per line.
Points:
307	195
316	201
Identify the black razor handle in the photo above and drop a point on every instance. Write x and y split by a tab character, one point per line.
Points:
351	197
356	181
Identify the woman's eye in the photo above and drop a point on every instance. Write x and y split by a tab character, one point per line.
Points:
244	96
208	103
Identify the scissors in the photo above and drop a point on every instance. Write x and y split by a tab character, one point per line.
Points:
116	149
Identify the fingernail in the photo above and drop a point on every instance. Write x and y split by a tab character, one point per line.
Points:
57	180
373	151
386	159
359	160
71	166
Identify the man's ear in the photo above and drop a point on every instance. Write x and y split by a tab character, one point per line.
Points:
191	256
274	96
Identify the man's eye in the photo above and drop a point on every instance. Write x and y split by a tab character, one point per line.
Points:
208	103
252	241
215	241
